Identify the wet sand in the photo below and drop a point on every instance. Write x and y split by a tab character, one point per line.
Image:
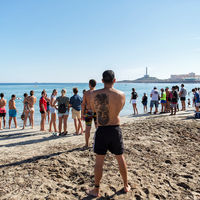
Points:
162	154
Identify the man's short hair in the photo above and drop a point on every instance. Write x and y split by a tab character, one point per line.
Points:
182	85
108	76
13	96
193	90
2	95
92	82
25	94
75	90
31	92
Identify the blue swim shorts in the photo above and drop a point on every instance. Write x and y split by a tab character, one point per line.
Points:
154	103
163	101
12	113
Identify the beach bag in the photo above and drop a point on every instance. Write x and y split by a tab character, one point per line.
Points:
62	108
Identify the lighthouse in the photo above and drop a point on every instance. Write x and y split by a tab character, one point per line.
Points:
146	76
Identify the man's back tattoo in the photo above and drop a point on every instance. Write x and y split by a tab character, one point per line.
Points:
101	102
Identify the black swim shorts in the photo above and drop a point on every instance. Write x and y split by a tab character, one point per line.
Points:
2	114
108	138
182	98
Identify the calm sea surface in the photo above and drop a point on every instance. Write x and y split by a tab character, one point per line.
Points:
20	89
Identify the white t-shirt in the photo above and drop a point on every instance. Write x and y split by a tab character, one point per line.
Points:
155	94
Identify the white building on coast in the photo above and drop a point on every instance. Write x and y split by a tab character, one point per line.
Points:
190	76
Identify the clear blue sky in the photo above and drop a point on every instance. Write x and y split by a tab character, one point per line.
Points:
76	40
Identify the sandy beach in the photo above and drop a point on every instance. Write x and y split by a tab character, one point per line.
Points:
162	154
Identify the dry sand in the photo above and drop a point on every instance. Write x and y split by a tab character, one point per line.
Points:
162	154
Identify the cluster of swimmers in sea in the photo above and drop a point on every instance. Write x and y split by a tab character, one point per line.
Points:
169	99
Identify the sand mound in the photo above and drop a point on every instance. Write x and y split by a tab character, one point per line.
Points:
163	160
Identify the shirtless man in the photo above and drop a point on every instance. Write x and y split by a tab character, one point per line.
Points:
12	111
2	111
87	113
108	102
31	100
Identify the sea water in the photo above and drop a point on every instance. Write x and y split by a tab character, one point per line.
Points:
19	89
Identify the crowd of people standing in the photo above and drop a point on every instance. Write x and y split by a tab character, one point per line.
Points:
168	99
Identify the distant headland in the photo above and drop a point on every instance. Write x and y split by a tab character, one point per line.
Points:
179	78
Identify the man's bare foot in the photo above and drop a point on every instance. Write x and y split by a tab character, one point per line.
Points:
93	193
75	133
32	128
23	128
17	127
127	188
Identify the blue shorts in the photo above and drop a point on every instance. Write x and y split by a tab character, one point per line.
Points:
145	103
163	101
154	103
12	113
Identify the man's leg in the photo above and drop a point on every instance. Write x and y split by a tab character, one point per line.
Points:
10	119
80	126
1	123
184	105
4	121
98	170
76	126
15	121
123	171
87	135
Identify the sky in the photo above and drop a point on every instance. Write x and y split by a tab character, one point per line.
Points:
74	41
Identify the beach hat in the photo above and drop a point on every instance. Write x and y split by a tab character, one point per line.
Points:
167	87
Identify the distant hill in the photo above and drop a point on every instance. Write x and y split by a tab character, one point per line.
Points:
156	80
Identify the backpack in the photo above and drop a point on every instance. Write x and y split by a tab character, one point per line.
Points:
62	108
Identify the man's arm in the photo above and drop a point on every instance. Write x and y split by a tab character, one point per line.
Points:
14	106
83	107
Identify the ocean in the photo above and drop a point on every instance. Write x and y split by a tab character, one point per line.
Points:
20	88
